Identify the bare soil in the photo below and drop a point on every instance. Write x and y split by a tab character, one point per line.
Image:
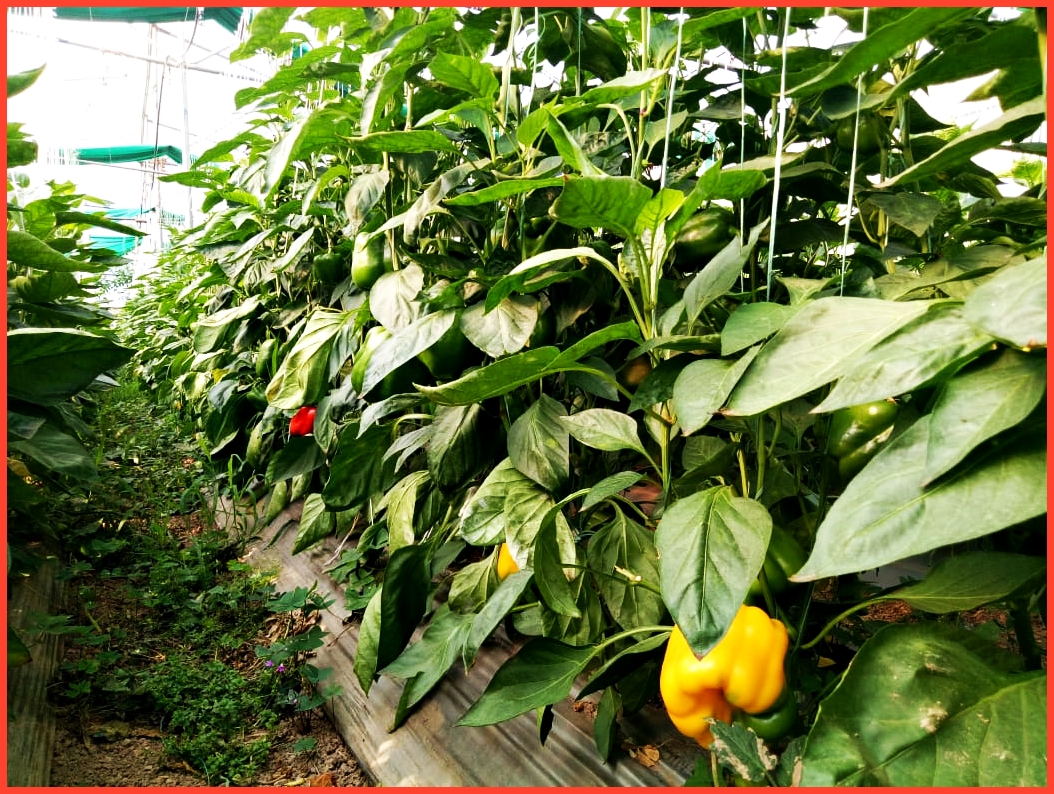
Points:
114	753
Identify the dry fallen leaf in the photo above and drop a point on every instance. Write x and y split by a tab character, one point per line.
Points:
648	755
325	780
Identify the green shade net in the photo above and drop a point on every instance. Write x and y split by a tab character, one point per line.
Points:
121	244
127	154
227	17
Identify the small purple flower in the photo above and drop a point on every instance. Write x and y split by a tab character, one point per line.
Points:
281	668
269	663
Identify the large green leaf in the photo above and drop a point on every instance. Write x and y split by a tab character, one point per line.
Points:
604	429
526	506
629	84
464	74
541	674
58	451
19	82
611	202
970	580
403	345
623	553
886	513
404	600
753	323
816	346
880	45
400	502
365	664
304	370
719	275
702	388
981	403
549	573
1014	124
48	365
539	443
711	547
25	250
393	298
1012	305
213	330
922	705
317	522
425	662
503	330
494	379
483	516
939	341
300	455
460	444
358	469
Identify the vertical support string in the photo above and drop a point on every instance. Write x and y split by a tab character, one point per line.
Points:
852	170
781	128
669	104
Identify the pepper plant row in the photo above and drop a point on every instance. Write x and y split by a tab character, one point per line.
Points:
521	303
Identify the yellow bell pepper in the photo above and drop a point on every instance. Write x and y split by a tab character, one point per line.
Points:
743	671
506	564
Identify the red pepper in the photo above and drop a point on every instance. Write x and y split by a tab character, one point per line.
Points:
303	421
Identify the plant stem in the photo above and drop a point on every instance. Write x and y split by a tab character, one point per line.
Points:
1026	639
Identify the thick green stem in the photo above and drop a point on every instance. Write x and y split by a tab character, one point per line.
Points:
1026	639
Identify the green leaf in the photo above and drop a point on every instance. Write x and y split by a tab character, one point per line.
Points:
1015	124
739	749
957	718
916	212
49	365
816	346
539	445
19	82
25	250
622	664
300	455
1012	305
605	724
495	610
495	379
711	547
976	405
425	662
752	323
464	74
719	275
970	580
502	190
212	330
302	375
629	84
541	674
586	345
548	568
358	469
98	220
459	446
881	45
400	502
610	486
604	429
570	150
317	522
536	273
702	388
393	298
483	516
620	549
503	330
939	341
404	600
886	514
58	451
526	506
611	202
365	191
402	142
266	33
365	664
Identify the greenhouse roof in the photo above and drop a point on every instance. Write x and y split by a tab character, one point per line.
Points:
226	17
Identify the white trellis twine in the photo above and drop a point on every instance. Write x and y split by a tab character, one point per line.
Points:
669	105
782	116
852	170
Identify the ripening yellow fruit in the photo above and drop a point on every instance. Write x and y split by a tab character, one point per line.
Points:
506	564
